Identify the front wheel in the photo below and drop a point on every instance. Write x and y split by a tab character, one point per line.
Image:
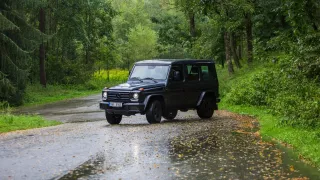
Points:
205	110
154	112
170	114
113	118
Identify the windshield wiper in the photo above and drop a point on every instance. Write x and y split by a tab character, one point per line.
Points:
136	78
149	78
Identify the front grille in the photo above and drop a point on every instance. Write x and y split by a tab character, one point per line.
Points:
118	96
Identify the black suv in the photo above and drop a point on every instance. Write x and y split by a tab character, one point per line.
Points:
159	88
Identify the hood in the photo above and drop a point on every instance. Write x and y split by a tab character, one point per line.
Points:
130	86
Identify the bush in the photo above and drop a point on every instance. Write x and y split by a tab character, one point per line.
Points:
295	98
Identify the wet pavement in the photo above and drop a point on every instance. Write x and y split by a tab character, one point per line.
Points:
75	110
87	147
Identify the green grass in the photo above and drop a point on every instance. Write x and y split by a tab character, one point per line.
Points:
37	95
305	142
9	122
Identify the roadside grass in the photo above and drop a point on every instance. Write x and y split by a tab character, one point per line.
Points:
9	122
304	142
37	95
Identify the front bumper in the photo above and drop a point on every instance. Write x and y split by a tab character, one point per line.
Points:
127	109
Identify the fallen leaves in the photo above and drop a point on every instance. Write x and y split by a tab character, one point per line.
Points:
291	168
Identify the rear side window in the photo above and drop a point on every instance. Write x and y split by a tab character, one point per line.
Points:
192	73
205	73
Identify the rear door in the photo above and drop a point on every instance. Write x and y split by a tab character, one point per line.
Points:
191	85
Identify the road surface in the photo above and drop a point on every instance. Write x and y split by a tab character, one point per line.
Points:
87	147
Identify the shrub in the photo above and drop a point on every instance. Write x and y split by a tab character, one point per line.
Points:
295	98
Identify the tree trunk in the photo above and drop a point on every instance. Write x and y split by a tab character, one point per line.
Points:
108	75
42	53
228	51
88	46
239	48
192	25
222	61
311	10
249	38
234	51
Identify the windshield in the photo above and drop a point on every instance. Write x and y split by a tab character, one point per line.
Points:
153	72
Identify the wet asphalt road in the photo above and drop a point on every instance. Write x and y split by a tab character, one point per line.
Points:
87	147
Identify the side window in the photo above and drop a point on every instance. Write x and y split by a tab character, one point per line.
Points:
176	68
192	73
205	73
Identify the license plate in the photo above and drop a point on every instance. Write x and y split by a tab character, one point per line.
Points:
115	104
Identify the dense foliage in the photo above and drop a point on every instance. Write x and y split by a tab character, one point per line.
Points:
295	98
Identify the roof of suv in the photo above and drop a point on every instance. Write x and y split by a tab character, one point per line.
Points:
174	61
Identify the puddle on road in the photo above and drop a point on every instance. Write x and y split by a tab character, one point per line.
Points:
97	165
71	106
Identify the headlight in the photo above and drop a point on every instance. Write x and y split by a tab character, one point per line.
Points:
105	95
136	96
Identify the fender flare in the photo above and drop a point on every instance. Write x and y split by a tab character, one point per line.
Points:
203	94
201	98
147	100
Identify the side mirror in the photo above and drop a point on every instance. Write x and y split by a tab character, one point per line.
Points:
176	76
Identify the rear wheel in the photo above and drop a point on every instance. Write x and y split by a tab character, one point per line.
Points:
206	108
170	114
154	112
113	118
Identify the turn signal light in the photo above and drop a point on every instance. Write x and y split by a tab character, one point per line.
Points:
141	89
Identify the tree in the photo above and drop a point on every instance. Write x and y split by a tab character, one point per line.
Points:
249	38
190	8
228	52
233	45
142	43
77	28
18	40
42	54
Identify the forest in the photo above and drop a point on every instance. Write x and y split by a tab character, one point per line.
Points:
267	52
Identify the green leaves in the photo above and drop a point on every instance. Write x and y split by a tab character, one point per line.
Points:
6	24
288	95
142	43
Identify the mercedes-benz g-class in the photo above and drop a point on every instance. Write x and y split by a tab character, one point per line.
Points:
159	88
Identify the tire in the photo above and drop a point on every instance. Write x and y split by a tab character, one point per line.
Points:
206	108
170	114
113	118
154	112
